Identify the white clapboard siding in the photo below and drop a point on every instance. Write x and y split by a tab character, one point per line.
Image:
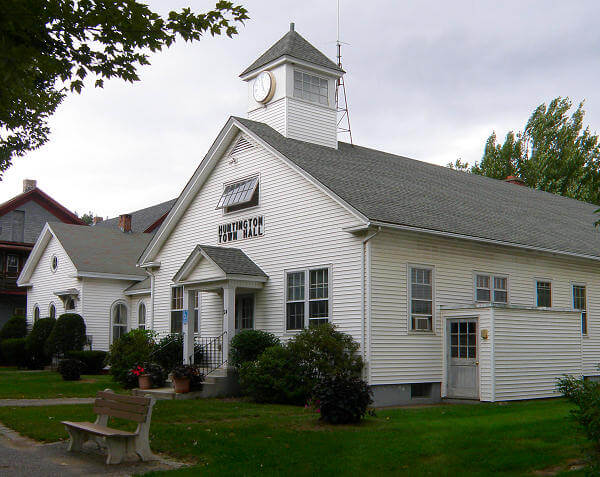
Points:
532	349
302	229
46	282
399	356
311	122
273	114
99	295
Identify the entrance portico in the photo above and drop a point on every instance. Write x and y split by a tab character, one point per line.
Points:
228	272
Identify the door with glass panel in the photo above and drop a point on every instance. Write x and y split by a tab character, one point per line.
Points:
463	358
244	312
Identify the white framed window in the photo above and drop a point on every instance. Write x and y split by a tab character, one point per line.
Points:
69	304
36	313
54	263
491	288
579	293
421	302
543	293
52	310
12	265
142	316
118	321
307	297
311	88
176	309
239	195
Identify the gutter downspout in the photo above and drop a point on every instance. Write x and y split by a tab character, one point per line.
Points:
364	312
151	296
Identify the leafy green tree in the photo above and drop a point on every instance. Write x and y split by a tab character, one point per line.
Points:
554	153
88	217
49	48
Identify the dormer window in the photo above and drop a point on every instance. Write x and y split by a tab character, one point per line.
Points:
240	195
310	87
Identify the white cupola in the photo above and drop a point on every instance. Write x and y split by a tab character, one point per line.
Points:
291	87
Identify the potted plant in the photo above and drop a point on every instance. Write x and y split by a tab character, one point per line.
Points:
185	376
144	379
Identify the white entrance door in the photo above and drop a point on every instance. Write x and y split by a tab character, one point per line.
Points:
463	358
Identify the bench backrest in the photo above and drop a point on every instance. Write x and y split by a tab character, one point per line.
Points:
131	408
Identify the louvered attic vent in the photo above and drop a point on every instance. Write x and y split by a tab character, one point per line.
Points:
241	146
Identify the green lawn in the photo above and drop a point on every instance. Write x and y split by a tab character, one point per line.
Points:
15	384
240	438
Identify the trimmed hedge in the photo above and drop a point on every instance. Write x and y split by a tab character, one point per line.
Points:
13	352
16	327
342	399
93	361
248	345
36	340
70	369
68	334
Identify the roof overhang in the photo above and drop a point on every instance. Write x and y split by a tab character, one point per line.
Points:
69	292
145	291
291	59
110	276
35	255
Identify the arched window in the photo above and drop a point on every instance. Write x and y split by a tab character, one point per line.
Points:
36	313
119	321
52	311
142	316
70	304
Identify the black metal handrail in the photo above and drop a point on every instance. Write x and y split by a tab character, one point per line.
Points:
208	353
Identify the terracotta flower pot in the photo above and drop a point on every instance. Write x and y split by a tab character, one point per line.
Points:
145	381
181	385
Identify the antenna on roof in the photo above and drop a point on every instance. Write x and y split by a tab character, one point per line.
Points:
341	100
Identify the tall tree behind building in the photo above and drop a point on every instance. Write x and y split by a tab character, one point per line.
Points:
554	153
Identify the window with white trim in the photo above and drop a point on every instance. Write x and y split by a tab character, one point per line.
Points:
580	303
239	195
312	303
491	288
12	265
176	309
36	313
52	310
196	310
119	321
543	293
69	304
311	87
421	298
142	316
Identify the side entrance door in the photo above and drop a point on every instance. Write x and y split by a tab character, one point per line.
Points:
463	358
244	312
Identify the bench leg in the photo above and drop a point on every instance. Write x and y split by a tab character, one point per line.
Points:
76	441
117	448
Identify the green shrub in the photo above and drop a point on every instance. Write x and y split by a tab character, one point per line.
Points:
342	398
13	352
93	361
68	334
36	340
248	345
585	394
70	369
129	350
169	352
323	351
275	377
16	327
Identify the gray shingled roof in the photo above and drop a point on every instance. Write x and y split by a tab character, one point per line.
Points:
232	260
294	45
143	285
102	249
398	190
143	218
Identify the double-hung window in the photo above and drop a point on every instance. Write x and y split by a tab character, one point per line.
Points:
580	303
491	288
12	265
176	309
142	316
310	87
421	299
307	295
543	294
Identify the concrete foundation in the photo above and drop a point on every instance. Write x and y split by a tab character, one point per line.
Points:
404	394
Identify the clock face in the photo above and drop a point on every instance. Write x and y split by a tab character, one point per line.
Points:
264	87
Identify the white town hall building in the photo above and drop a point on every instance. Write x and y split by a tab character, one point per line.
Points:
454	284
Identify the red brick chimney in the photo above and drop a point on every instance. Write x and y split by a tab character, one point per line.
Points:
515	180
97	220
125	223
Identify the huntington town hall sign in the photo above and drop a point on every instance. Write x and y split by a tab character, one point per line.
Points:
242	229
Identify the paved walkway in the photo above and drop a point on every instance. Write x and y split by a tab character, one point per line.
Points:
43	402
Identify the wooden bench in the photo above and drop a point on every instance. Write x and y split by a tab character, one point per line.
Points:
120	444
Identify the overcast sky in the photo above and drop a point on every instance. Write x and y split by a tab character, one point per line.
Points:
428	80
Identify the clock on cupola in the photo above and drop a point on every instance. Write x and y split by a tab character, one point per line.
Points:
291	87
